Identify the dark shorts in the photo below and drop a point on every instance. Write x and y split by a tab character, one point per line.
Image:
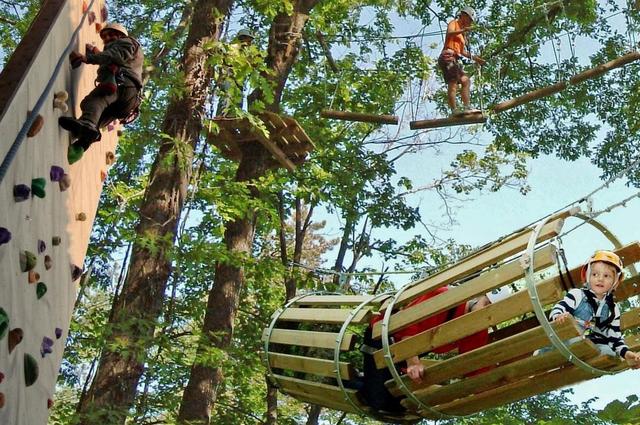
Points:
450	66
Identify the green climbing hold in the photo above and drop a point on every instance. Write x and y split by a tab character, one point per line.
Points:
31	370
41	289
4	323
56	240
37	187
74	153
28	261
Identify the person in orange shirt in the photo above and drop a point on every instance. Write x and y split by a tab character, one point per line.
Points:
454	48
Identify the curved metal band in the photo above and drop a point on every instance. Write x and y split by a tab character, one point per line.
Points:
272	325
556	341
391	366
336	351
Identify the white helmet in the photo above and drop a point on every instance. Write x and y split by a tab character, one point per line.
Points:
469	12
115	27
498	294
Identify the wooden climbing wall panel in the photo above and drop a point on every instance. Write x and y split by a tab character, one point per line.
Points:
50	231
287	142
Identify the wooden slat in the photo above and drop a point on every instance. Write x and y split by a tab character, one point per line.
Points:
358	116
492	279
277	153
330	300
324	315
339	405
320	367
309	339
630	319
494	353
461	119
317	389
506	374
493	254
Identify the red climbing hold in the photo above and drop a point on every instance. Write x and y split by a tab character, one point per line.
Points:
33	276
36	126
15	338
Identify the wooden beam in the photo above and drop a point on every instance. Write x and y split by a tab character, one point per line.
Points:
320	367
331	300
359	116
456	119
272	147
559	86
309	339
335	316
339	405
455	296
630	319
491	254
317	389
494	353
503	375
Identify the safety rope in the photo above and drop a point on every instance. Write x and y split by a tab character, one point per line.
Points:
22	134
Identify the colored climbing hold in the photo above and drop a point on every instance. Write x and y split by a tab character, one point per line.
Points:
120	133
4	324
104	13
33	276
31	370
37	187
56	240
111	158
15	338
58	333
46	347
84	6
1	377
76	272
110	127
36	126
74	153
42	247
28	261
103	175
98	27
1	400
91	17
21	192
49	403
56	173
41	289
60	100
75	59
48	262
65	182
5	235
81	217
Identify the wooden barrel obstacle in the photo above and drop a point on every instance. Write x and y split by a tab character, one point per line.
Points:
312	344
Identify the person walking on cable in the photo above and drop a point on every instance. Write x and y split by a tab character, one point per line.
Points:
594	309
117	91
455	47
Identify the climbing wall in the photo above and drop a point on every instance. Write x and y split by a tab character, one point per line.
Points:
47	206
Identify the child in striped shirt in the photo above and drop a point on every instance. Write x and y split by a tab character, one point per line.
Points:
593	306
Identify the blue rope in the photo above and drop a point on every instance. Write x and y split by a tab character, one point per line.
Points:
13	151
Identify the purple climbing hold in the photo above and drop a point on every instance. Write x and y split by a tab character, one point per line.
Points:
104	13
58	333
56	173
76	272
21	192
42	247
5	235
46	347
110	127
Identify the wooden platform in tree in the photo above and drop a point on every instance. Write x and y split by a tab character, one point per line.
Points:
286	140
360	117
458	119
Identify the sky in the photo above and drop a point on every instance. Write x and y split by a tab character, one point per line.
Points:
485	217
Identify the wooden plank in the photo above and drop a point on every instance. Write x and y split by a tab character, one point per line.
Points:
530	386
330	300
456	119
482	284
630	319
339	405
324	315
494	353
316	389
359	116
503	375
309	339
561	85
275	151
320	367
484	257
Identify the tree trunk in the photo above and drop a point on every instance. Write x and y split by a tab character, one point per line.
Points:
314	414
136	310
271	417
201	392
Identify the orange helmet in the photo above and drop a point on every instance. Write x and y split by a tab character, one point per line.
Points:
605	257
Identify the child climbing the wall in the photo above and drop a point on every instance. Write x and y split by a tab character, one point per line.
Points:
455	47
593	306
117	91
